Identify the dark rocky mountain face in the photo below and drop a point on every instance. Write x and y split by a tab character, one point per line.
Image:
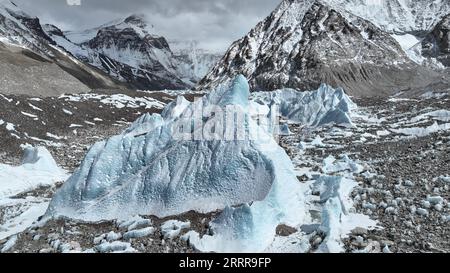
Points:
305	43
396	16
123	53
53	30
118	54
33	25
437	43
127	38
27	30
129	53
31	63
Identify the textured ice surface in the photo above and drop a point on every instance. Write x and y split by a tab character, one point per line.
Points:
251	228
146	171
315	108
423	131
9	244
38	169
172	228
138	233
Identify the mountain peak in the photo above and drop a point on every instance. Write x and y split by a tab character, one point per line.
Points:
304	43
8	3
138	20
11	8
396	16
393	16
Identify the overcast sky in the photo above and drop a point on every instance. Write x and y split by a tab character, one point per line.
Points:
214	23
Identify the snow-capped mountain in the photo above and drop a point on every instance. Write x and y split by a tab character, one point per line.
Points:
18	28
193	61
25	46
408	21
304	43
82	36
437	43
127	51
397	16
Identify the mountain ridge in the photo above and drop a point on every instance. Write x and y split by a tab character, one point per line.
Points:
128	50
26	47
302	44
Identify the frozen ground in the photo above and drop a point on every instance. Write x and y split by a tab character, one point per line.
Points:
68	125
401	146
405	183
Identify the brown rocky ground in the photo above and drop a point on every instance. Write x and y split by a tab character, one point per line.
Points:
402	173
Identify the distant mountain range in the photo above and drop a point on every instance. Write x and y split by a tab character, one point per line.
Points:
122	53
371	48
128	51
31	62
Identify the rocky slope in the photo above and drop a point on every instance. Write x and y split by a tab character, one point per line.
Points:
128	51
397	16
193	61
437	43
24	46
304	43
121	53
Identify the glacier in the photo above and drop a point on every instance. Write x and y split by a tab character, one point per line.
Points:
147	170
251	228
38	168
311	108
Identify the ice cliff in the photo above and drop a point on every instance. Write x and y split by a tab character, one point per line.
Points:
148	171
168	164
312	108
38	168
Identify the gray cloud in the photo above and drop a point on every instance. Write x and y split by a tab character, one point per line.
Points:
214	23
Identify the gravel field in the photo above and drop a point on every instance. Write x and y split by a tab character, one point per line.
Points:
405	186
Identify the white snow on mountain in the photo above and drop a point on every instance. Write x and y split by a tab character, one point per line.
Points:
304	43
397	16
406	41
314	108
83	36
148	171
38	169
129	51
12	30
407	21
193	61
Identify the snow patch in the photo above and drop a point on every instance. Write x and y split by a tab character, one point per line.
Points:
423	131
139	233
38	169
313	108
9	244
172	228
146	171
